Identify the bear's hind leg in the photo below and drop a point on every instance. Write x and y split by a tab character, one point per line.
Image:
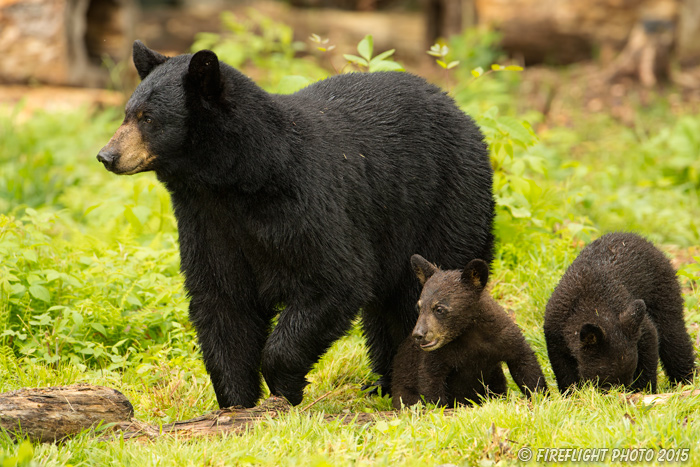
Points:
302	335
676	349
385	325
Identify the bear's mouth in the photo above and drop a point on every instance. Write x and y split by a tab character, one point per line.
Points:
429	345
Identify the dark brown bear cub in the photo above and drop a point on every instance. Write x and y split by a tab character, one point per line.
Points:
462	335
616	310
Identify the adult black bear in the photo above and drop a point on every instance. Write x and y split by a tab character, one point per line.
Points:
313	201
460	339
616	310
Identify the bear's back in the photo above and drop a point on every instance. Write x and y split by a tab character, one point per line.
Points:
613	270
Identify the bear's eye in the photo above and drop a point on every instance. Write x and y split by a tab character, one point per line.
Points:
440	310
147	119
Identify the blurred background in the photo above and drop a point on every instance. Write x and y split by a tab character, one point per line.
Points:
87	43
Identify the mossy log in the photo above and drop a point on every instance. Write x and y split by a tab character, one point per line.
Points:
51	414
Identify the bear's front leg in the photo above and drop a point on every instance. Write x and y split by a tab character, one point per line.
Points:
522	362
645	375
303	333
564	364
231	337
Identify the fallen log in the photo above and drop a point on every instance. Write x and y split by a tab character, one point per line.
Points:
237	420
51	414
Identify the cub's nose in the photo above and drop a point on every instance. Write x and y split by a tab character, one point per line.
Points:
419	334
107	157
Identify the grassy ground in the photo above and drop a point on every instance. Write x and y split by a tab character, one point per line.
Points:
90	289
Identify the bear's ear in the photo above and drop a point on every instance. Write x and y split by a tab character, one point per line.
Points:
591	335
632	317
146	59
204	74
423	268
476	274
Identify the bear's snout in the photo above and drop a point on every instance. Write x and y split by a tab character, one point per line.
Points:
424	336
107	156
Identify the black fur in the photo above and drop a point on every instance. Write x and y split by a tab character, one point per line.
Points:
313	201
460	339
616	310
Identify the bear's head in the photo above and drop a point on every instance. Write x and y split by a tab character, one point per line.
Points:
158	116
449	302
605	342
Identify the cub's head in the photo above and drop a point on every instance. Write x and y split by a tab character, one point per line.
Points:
154	133
605	343
449	302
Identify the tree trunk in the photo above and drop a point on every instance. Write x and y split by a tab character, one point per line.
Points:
51	414
689	33
445	18
568	31
62	41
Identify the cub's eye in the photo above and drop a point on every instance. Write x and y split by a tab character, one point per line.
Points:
148	119
440	310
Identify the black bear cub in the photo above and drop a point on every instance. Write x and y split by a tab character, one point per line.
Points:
462	335
616	310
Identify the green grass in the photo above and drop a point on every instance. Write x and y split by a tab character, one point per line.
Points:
90	292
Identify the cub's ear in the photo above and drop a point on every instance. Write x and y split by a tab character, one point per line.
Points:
146	59
632	317
423	268
591	335
204	74
476	274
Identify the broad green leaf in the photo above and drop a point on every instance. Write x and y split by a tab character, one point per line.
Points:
385	65
365	47
30	255
355	59
40	292
383	55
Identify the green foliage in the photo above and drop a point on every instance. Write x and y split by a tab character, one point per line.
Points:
440	52
23	457
476	47
682	144
366	61
257	42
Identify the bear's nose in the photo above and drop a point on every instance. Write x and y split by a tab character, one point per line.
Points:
107	157
418	334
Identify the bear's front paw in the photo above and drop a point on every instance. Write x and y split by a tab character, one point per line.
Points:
291	387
